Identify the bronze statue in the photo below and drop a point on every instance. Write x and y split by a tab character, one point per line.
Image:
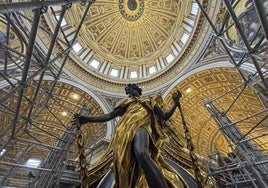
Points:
136	159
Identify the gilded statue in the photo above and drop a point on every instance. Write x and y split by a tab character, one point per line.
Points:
137	161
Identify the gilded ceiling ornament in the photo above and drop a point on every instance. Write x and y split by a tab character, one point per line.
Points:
221	14
131	10
164	38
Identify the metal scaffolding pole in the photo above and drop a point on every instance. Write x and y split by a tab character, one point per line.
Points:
244	38
71	43
246	150
228	128
56	153
237	97
43	29
248	117
7	42
19	87
26	67
56	160
47	125
23	6
218	34
262	16
38	143
255	126
19	159
24	166
62	124
52	43
42	134
13	50
22	35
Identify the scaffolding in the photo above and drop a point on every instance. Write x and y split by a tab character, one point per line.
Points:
30	64
247	163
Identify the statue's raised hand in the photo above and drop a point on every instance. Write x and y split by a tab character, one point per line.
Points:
176	97
79	119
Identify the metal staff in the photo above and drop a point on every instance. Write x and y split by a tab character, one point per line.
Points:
190	146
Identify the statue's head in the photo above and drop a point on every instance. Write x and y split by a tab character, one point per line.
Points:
133	90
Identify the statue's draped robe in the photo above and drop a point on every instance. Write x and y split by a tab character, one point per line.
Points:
139	114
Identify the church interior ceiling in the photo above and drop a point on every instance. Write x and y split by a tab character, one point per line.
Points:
50	118
146	46
207	85
163	46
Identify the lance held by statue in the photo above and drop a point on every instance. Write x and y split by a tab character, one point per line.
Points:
137	161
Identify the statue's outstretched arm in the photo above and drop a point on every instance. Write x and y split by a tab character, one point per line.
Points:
166	115
101	118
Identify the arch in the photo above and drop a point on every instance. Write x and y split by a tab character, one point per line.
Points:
96	97
245	66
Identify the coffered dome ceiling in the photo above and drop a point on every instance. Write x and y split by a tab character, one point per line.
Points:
133	41
206	85
131	33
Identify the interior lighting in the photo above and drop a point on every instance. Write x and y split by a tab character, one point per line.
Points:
3	152
207	105
188	90
75	96
33	162
64	113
